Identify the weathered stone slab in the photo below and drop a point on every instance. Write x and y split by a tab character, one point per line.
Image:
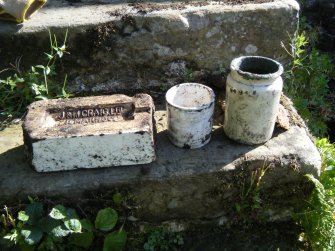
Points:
141	46
90	132
189	185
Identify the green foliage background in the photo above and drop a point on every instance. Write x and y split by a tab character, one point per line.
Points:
307	77
306	83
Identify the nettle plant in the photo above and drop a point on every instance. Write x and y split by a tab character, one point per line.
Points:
60	229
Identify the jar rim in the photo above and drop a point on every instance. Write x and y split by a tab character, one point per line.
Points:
208	91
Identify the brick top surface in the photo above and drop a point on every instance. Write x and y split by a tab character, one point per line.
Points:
88	116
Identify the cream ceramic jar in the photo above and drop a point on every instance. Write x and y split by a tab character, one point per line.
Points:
253	91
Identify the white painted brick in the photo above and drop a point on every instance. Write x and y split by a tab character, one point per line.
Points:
96	138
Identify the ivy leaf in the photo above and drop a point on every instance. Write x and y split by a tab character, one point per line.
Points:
73	225
58	212
106	219
115	241
23	216
32	235
34	211
83	240
60	232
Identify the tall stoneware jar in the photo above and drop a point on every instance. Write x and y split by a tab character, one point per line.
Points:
253	91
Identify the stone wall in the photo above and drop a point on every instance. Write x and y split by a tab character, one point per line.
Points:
129	47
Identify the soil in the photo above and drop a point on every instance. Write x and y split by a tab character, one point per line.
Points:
257	236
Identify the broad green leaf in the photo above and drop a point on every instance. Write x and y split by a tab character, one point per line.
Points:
115	241
34	211
32	235
23	216
106	219
58	212
83	240
60	231
87	224
73	225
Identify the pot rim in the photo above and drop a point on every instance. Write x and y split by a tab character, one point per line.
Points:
236	63
192	108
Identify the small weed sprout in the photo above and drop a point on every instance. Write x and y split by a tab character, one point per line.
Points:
23	87
161	239
189	75
250	197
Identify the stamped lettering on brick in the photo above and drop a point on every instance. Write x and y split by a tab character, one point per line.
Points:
91	115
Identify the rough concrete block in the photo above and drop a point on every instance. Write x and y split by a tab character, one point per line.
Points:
183	185
90	132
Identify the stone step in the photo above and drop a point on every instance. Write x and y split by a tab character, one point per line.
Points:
129	46
198	184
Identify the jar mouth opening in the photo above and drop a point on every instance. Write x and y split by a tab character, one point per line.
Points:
190	96
256	67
